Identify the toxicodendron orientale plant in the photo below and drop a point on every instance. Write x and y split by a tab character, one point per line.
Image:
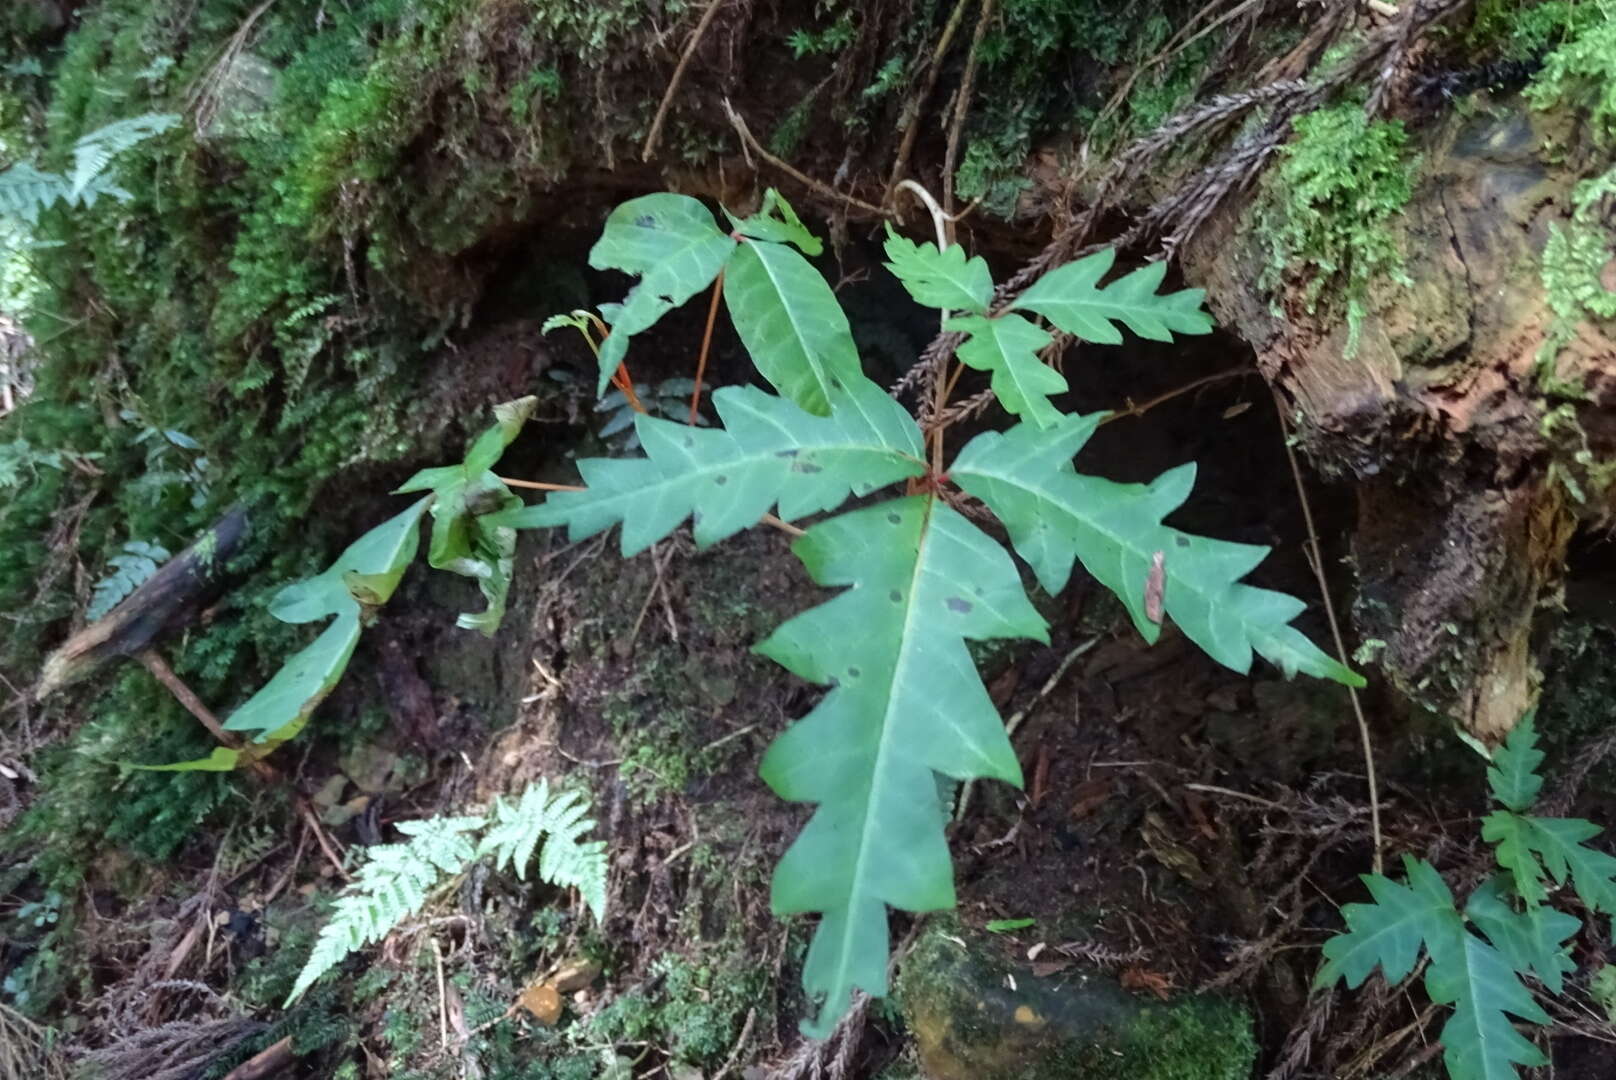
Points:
396	880
918	577
1478	956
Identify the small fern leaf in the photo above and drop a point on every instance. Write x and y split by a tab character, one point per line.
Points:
95	151
905	703
941	279
768	452
1008	347
1390	932
129	570
1533	940
25	191
1072	298
392	885
1479	1042
1055	515
566	859
676	248
1513	775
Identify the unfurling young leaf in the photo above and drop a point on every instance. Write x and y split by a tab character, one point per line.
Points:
465	538
776	221
943	279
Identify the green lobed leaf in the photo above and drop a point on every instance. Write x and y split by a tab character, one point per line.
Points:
1008	347
941	279
777	222
675	247
1531	940
302	682
366	573
1389	932
1071	297
1510	835
791	324
1591	872
768	452
1055	515
1479	1042
467	538
1513	775
905	702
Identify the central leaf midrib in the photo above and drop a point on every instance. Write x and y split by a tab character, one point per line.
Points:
883	748
791	317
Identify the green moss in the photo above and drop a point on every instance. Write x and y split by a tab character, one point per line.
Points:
1325	213
695	1008
955	992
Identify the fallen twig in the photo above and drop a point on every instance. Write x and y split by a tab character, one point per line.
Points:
655	134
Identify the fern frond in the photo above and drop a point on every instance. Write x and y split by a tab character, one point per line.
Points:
392	885
566	859
25	191
95	151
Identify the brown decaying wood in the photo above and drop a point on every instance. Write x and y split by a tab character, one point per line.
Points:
175	593
265	1063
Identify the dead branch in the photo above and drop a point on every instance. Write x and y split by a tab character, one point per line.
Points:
655	134
168	599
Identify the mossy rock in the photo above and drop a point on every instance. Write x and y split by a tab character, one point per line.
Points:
975	1016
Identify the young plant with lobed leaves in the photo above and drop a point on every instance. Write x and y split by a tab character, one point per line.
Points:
919	577
1507	930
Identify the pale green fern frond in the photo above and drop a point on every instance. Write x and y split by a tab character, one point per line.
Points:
392	885
566	859
25	191
396	879
95	151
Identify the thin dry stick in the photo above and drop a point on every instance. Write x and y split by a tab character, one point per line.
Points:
941	388
655	134
706	344
443	1001
818	187
164	674
962	104
911	111
1159	399
1317	561
263	770
1050	683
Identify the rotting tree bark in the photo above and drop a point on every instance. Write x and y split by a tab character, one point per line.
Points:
1438	415
168	599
